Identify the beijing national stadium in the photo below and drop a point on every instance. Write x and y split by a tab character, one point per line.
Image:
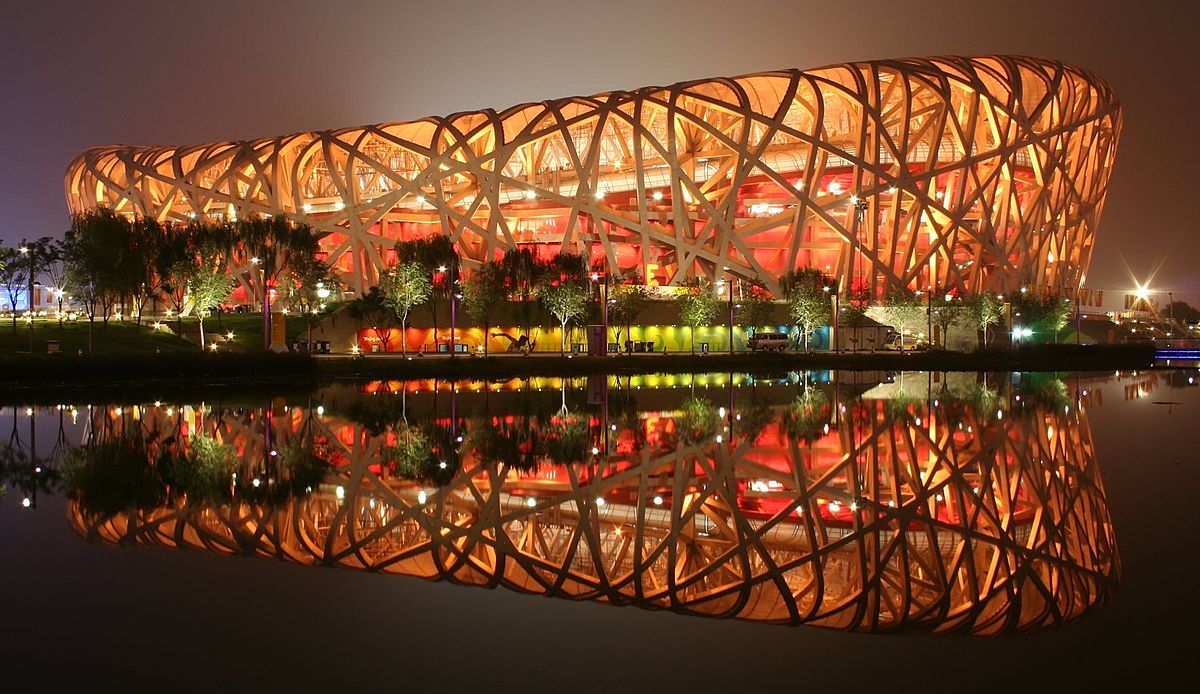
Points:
964	174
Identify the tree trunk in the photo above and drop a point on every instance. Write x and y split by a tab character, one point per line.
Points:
562	348
201	317
403	336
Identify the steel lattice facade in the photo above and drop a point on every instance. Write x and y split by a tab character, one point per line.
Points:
954	173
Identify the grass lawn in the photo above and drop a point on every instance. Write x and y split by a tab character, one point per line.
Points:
126	337
247	330
117	337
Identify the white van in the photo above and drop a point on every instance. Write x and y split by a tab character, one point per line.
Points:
766	342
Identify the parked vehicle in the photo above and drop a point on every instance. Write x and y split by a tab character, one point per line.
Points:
897	343
766	342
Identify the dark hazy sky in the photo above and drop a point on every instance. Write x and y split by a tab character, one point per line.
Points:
79	74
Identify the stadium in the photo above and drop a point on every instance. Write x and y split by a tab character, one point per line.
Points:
958	174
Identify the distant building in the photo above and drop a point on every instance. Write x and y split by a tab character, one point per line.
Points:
44	299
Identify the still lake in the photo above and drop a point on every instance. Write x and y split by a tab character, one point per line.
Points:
911	530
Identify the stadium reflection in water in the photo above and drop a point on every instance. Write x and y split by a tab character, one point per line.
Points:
915	505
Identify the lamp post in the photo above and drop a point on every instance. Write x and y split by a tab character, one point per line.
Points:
602	289
929	316
454	297
833	333
30	259
729	289
262	274
322	295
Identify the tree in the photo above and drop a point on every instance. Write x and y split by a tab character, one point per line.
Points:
404	286
13	277
1182	312
172	254
946	310
697	307
807	292
56	274
308	285
1058	314
482	293
94	249
37	256
147	243
754	306
522	270
625	301
906	309
563	290
373	309
986	310
440	259
208	282
277	244
1042	316
854	311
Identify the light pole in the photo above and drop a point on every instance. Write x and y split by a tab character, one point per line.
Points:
322	295
30	260
929	316
454	297
602	290
262	274
833	332
729	289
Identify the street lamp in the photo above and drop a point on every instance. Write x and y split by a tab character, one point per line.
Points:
726	285
833	333
262	273
30	259
1020	332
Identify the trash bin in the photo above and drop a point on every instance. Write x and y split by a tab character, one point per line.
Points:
300	346
322	346
376	347
702	346
52	347
577	347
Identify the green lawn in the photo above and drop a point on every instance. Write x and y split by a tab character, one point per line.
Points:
247	330
126	337
118	336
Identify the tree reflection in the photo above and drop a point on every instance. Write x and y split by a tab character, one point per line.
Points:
113	475
886	511
806	417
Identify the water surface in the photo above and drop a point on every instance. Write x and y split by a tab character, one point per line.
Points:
973	507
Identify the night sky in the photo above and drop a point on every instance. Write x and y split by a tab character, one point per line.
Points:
81	74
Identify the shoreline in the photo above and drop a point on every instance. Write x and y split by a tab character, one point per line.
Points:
298	371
